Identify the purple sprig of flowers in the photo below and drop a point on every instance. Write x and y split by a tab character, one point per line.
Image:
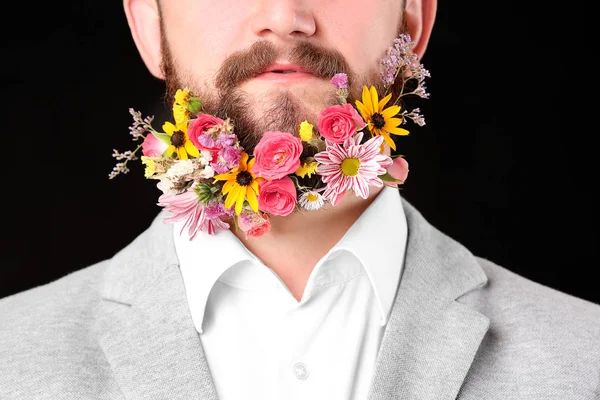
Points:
399	56
137	130
140	125
413	115
340	82
123	158
401	66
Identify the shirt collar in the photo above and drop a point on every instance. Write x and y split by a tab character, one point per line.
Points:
377	239
202	261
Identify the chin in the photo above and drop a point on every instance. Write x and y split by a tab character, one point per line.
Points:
309	99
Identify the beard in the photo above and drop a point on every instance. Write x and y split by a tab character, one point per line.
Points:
281	110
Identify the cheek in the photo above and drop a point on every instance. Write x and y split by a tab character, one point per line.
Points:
365	35
198	36
198	56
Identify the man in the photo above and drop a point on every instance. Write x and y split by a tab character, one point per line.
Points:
361	300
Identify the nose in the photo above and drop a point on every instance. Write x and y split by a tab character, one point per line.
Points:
285	19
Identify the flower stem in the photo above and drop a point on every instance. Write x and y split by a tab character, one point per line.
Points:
123	165
401	94
394	80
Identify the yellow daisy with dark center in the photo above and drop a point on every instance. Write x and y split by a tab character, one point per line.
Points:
241	184
180	142
381	121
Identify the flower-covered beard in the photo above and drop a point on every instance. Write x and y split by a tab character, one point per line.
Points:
281	110
210	178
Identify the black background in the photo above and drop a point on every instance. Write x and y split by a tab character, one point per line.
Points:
504	164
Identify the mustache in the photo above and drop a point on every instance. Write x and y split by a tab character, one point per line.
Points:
246	64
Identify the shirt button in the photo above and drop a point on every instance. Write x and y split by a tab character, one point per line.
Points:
300	370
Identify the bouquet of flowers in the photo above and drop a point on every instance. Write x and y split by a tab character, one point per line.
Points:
208	180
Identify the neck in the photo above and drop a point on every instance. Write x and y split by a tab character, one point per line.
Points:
295	243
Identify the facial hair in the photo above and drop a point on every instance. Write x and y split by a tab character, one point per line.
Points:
284	112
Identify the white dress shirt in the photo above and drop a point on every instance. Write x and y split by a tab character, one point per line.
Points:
261	343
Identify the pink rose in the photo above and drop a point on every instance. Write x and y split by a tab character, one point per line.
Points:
254	225
398	170
277	197
153	147
338	123
277	155
201	124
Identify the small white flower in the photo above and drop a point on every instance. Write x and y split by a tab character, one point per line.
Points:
166	186
311	200
207	172
180	169
205	157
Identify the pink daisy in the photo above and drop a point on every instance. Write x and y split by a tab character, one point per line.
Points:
352	165
186	207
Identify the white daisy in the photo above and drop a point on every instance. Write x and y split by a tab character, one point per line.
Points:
311	200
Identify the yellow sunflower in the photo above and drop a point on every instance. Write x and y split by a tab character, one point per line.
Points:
180	109
379	120
180	141
241	184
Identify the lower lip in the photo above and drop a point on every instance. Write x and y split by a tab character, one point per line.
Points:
283	78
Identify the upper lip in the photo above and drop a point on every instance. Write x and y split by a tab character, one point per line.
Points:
286	67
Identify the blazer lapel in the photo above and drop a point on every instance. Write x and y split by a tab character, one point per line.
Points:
144	326
431	339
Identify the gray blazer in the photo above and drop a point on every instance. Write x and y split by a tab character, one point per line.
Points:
461	328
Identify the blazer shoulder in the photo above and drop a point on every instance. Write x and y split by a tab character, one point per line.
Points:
548	305
59	306
47	335
65	292
538	335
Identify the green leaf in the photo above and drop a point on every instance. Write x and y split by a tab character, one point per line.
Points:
388	178
163	137
194	105
206	192
167	155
